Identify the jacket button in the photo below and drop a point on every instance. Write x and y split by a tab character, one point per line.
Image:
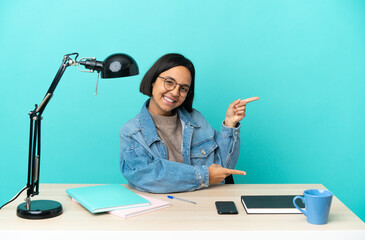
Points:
203	152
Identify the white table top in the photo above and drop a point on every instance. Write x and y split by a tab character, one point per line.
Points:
182	216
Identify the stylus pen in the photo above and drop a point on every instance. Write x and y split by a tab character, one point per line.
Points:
181	199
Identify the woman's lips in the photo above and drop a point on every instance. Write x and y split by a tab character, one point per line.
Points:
168	100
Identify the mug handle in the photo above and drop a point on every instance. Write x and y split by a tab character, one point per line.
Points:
301	198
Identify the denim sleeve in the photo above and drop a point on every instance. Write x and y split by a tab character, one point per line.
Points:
228	140
156	175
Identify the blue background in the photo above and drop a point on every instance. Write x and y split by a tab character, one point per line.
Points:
304	59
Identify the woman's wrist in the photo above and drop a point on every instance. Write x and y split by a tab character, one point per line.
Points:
229	124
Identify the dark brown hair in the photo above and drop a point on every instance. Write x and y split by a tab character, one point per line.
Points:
163	64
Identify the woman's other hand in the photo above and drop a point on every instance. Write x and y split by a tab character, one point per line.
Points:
218	173
237	111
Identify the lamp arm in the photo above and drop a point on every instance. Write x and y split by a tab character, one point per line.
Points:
35	130
67	61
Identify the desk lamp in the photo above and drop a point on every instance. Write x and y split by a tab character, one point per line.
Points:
114	66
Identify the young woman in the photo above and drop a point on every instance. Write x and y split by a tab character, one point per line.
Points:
169	146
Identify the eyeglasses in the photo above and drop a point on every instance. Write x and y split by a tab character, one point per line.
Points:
170	84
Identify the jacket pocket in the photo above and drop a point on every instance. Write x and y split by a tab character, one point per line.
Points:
203	149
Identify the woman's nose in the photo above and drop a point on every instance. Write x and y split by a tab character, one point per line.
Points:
176	91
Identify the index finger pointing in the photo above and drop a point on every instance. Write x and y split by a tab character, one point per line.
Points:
238	172
247	100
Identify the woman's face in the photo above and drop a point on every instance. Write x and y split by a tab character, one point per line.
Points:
164	101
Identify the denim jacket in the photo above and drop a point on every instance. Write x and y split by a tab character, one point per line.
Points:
143	155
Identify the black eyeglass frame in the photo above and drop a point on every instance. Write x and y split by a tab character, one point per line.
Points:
182	85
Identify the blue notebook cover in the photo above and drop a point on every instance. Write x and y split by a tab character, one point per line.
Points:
104	198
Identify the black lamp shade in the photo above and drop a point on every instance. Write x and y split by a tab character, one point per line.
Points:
119	65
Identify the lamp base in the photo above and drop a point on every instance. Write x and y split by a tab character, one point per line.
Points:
39	209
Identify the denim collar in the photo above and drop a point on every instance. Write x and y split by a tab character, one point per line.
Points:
148	127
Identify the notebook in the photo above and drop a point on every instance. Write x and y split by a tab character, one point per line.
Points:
104	198
270	204
156	204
